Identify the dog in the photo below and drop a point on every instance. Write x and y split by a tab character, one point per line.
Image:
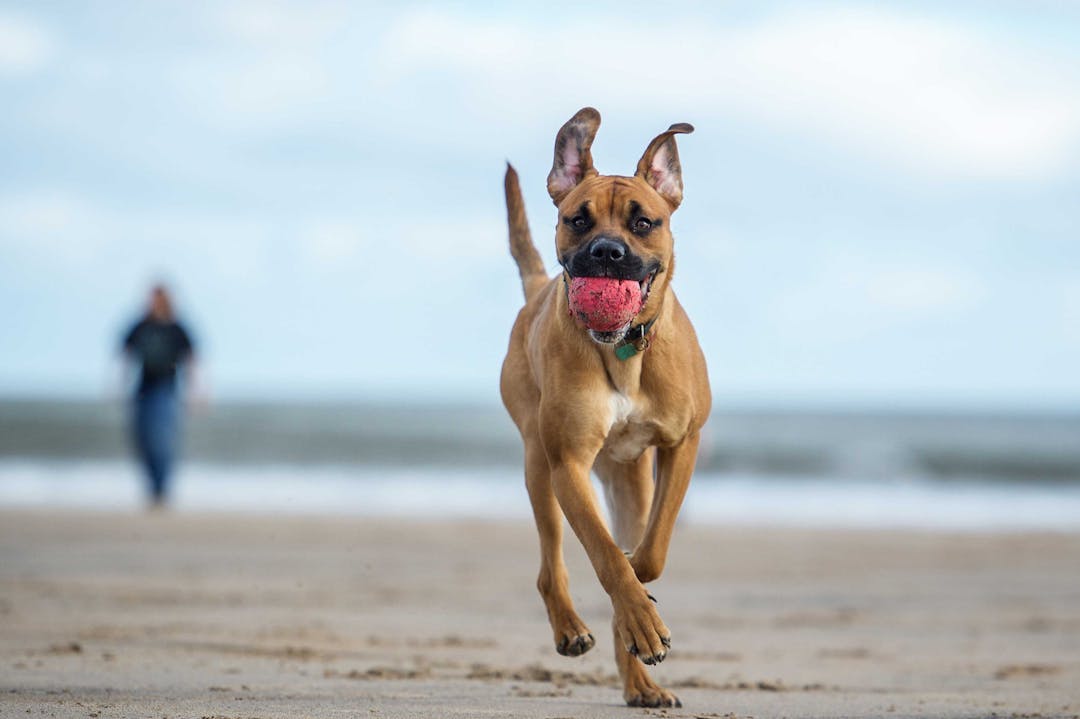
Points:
590	394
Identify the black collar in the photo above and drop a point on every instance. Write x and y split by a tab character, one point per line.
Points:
635	340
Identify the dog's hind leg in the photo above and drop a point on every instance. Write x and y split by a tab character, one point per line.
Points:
628	488
675	465
572	637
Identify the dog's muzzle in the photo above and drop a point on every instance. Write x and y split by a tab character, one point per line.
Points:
607	256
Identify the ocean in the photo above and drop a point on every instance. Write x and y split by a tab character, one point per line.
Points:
940	470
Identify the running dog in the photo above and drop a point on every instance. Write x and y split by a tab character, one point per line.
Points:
604	373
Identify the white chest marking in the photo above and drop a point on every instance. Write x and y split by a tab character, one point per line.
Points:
628	436
621	409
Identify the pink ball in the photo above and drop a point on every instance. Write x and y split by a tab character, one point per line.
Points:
603	304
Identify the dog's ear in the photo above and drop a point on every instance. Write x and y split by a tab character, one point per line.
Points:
660	167
573	156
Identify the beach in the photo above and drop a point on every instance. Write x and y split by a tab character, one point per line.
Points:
213	614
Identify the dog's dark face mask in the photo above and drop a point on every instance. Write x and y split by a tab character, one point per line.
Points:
614	235
607	252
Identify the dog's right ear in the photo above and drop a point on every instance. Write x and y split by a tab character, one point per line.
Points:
573	156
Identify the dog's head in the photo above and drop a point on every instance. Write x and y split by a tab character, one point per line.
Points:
612	226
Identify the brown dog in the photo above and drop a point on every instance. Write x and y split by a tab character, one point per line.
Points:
601	400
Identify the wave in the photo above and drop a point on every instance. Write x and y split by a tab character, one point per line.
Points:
877	446
499	494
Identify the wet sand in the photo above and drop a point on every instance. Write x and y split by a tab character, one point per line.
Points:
208	615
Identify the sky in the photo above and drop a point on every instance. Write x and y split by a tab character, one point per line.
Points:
882	200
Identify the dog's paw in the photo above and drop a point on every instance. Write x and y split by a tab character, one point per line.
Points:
572	637
641	691
575	646
641	631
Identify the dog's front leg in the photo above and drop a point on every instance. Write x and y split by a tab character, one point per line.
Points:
572	637
639	627
675	465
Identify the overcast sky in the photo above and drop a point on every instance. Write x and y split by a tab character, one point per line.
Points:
882	200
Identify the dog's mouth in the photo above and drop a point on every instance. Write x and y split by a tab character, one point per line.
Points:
646	284
609	338
599	319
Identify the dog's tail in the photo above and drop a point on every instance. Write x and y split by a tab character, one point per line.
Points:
530	266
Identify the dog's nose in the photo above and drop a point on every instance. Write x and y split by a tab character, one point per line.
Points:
603	248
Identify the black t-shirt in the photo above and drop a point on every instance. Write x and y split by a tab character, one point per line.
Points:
160	347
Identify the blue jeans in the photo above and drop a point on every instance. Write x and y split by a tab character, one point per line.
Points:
156	430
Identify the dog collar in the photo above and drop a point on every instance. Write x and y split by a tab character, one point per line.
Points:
635	340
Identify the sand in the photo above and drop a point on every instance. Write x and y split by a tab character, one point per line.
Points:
181	615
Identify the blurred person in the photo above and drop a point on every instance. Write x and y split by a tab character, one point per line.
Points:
162	347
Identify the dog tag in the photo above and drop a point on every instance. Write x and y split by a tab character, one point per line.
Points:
626	351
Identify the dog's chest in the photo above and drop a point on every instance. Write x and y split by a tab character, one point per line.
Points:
630	432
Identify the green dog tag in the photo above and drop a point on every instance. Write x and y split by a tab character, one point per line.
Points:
626	351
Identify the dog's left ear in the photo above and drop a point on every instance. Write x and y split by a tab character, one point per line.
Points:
660	167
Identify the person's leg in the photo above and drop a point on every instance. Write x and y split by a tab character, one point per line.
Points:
162	433
158	470
143	435
155	435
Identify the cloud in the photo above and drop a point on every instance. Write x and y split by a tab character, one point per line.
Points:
461	239
50	223
918	93
851	296
25	46
280	23
273	65
51	227
255	90
921	290
332	244
1069	296
931	97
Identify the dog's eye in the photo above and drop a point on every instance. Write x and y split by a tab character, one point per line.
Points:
579	222
642	225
